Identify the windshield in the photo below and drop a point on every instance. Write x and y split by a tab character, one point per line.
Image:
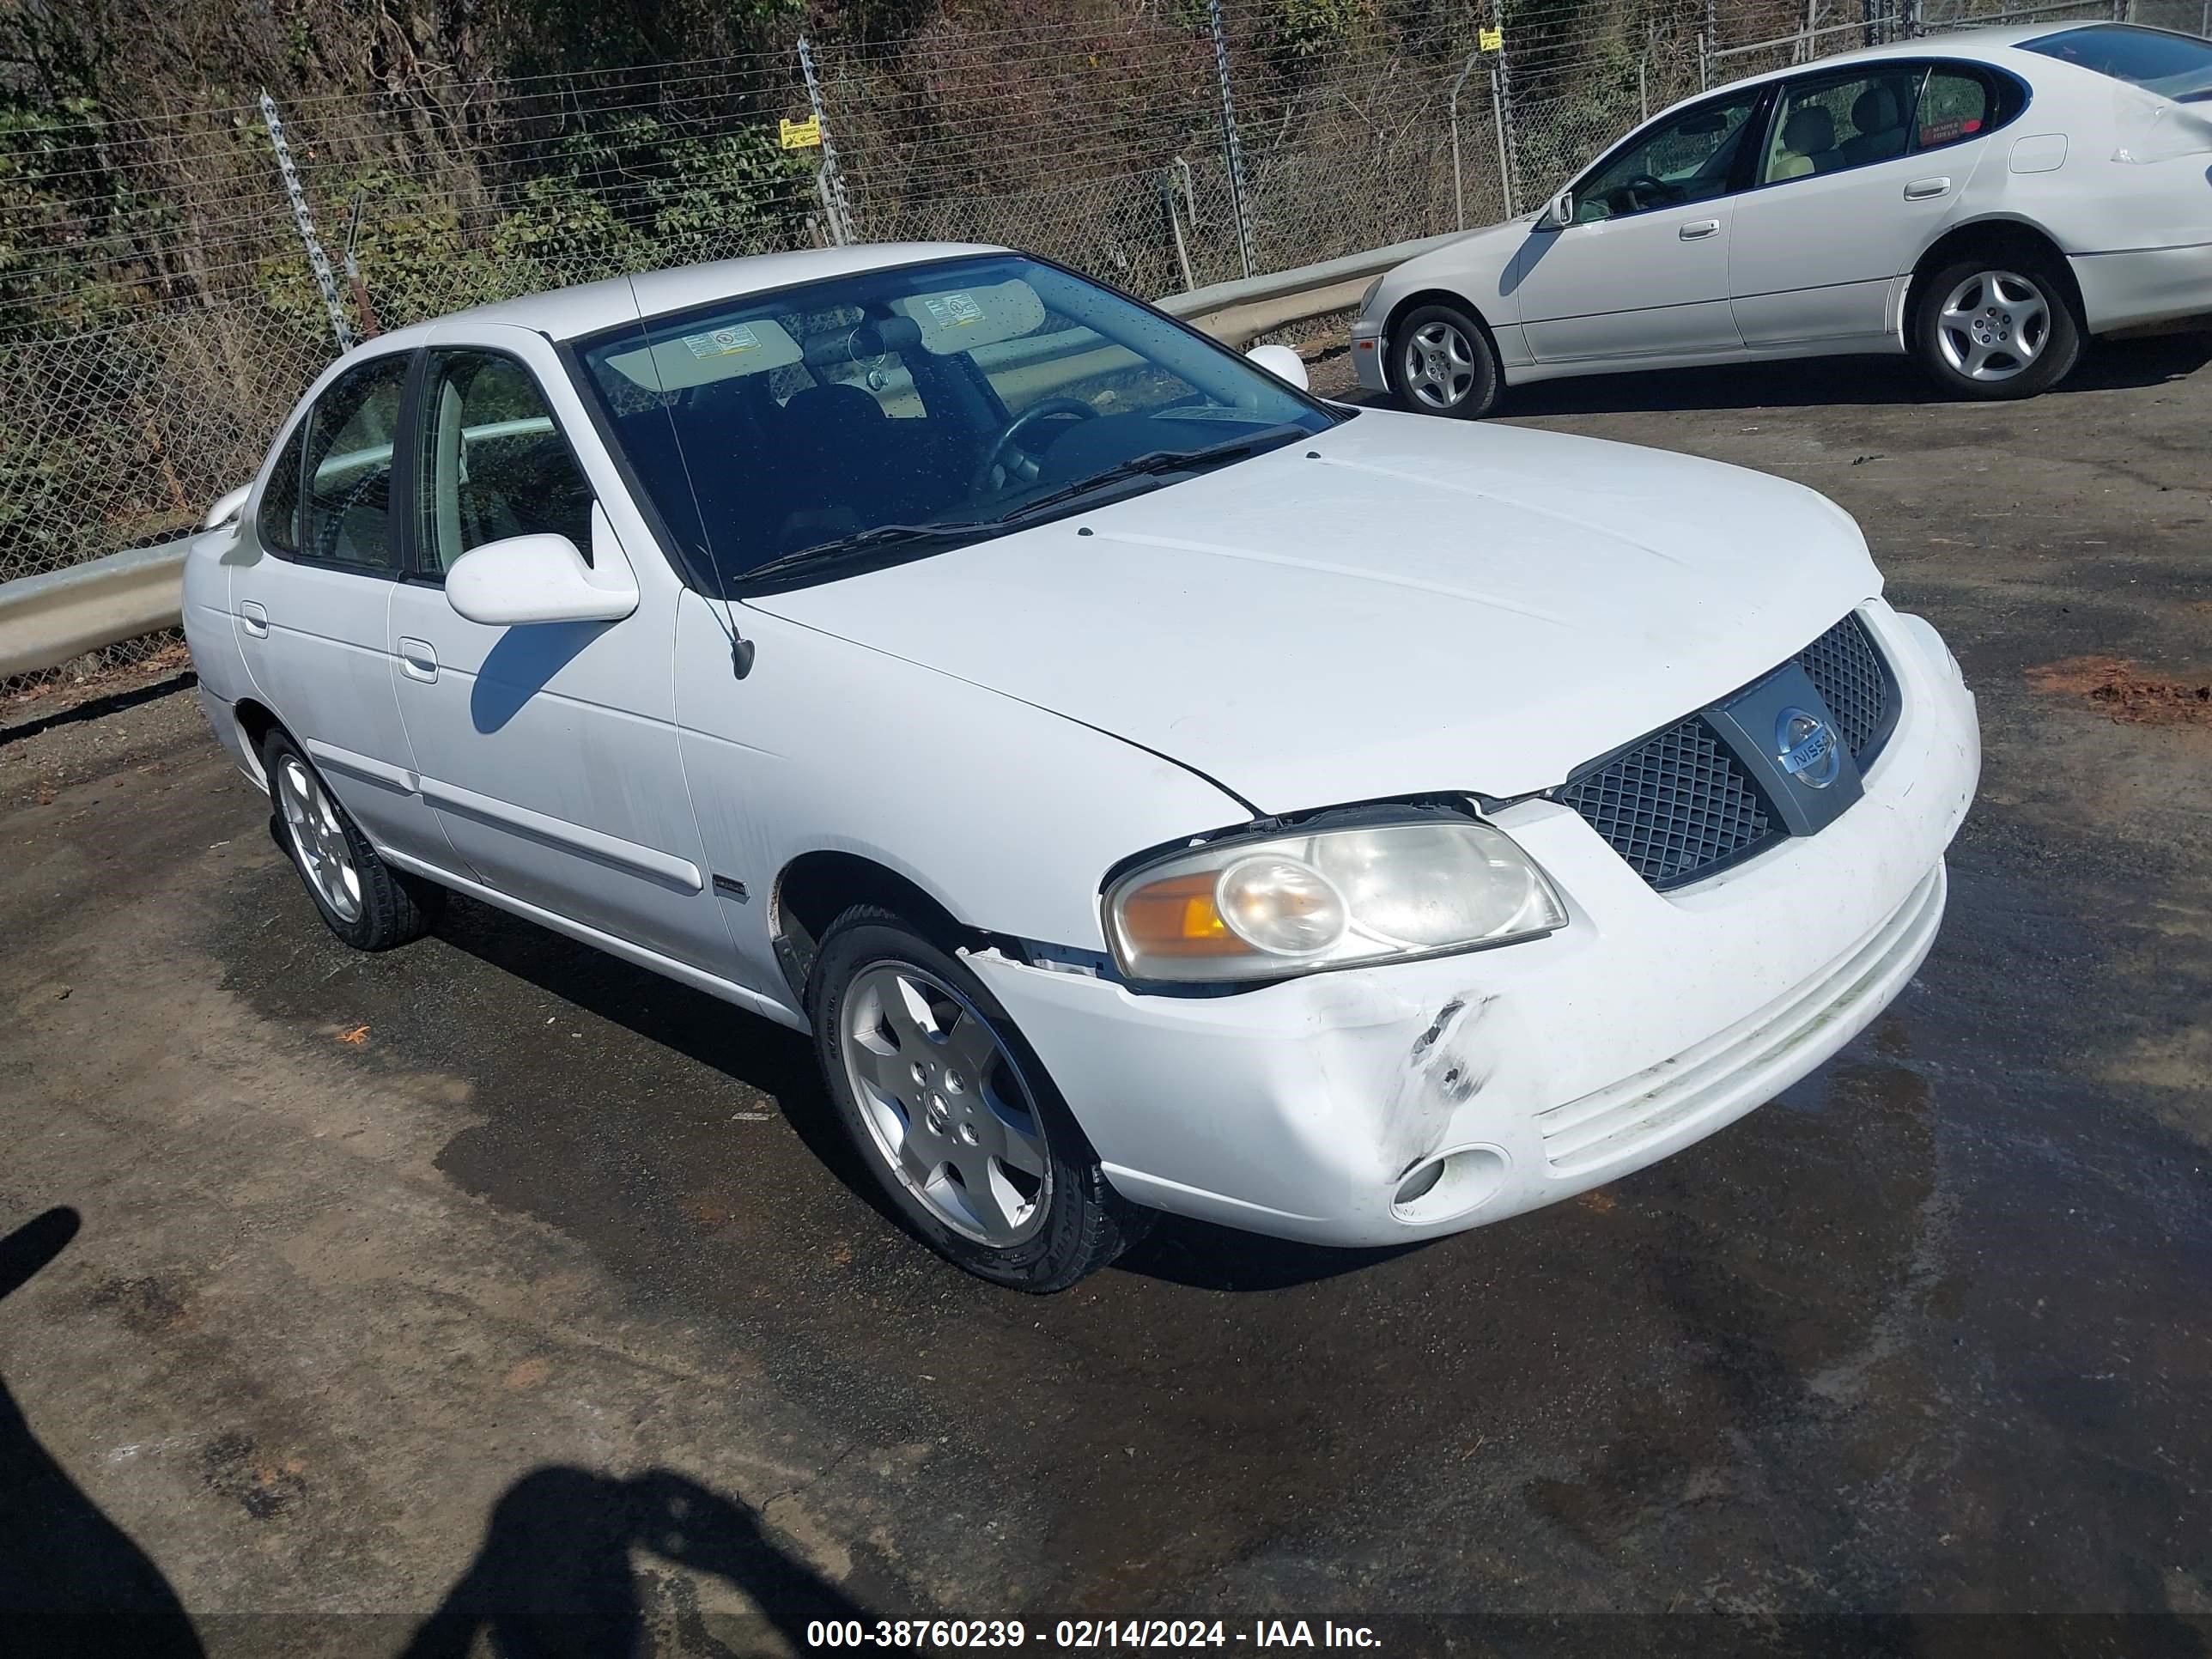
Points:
906	411
2177	66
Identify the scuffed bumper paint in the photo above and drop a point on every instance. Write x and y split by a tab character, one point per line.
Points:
1649	1023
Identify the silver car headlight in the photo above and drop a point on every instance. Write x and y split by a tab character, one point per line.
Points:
1368	298
1264	909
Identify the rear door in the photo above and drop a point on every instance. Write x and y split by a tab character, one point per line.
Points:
1642	271
1859	172
310	593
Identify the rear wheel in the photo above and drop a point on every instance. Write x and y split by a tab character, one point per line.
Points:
1440	363
366	902
954	1114
1996	325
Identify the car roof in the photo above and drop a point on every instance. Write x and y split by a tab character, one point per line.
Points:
563	314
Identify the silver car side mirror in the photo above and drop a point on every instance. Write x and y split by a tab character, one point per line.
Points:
1558	213
538	579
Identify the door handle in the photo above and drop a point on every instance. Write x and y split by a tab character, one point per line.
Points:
418	660
1701	229
1927	190
253	618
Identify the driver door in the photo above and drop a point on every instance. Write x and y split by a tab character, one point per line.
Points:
1642	271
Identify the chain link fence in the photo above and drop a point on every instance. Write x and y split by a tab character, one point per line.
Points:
161	307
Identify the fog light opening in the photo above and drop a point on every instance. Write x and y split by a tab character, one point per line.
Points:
1421	1182
1444	1187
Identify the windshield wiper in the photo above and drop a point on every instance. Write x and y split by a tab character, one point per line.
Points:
868	540
1156	461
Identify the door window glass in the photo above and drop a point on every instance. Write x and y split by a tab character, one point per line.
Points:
278	525
1689	158
1830	126
495	463
347	519
1954	108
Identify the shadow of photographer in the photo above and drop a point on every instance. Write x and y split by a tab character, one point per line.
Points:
72	1581
555	1577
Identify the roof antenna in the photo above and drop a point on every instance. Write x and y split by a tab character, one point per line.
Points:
741	648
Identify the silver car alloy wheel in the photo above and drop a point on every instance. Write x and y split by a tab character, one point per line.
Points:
1437	363
1994	326
318	839
945	1105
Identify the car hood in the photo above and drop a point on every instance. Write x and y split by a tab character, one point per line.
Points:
1400	606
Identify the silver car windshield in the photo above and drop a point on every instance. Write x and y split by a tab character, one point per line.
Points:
897	412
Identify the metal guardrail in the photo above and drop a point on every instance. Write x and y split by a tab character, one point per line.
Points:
47	620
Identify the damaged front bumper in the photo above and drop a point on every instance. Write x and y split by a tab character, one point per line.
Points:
1379	1105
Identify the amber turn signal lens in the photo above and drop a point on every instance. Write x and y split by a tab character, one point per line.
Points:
1178	917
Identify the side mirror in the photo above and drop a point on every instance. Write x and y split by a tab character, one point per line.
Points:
1558	213
227	507
1280	362
538	579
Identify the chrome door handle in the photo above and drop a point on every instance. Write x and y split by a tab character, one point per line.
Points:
253	618
1698	232
418	660
1927	190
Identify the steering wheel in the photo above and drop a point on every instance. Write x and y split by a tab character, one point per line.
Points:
1661	190
1009	458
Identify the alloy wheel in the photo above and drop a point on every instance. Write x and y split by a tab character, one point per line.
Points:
1994	326
318	838
945	1104
1436	364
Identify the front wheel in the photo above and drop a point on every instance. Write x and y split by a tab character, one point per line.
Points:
1997	326
366	902
954	1114
1440	363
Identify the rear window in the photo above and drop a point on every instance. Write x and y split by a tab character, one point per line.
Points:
2177	66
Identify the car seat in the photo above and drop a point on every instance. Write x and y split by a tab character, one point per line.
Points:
830	454
1807	144
1879	115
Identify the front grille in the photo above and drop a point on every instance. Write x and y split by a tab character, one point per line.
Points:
1680	804
1674	806
1847	672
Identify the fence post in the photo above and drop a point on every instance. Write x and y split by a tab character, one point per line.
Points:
833	181
1459	199
1239	194
1501	111
318	261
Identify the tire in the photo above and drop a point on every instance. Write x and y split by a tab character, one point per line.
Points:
364	901
1997	325
1440	361
959	1122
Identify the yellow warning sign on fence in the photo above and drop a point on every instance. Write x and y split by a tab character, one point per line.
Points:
802	135
1488	40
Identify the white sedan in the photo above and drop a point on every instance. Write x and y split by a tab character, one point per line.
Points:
1154	788
1983	202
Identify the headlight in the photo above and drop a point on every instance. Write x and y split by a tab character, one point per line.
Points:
1368	298
1293	903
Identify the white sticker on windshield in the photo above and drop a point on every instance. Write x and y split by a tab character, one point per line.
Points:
953	311
722	342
